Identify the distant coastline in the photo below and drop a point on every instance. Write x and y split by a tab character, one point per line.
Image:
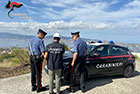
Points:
8	40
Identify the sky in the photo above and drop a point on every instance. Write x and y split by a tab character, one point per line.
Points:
117	20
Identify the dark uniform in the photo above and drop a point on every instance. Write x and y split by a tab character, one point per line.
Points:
80	47
36	47
55	51
54	63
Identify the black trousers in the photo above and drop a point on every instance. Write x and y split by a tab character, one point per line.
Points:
79	67
36	71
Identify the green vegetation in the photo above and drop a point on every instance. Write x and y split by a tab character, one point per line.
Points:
17	56
136	57
66	46
20	55
24	72
5	56
14	61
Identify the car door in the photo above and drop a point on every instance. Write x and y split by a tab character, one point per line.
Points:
118	59
97	64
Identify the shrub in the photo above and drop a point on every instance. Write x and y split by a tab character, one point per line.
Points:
21	54
18	55
16	60
136	57
5	56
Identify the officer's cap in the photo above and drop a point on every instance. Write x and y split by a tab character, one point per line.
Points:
41	31
75	33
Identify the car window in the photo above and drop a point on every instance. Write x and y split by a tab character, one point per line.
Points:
103	50
91	48
118	50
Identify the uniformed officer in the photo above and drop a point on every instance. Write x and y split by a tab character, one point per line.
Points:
54	56
78	63
37	51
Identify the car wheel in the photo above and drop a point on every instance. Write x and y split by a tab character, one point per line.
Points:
78	75
128	72
66	74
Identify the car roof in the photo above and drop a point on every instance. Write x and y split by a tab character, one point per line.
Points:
98	44
101	44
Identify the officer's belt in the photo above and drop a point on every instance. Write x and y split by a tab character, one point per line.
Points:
82	56
37	56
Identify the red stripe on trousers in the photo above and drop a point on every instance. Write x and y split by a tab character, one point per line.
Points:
71	77
40	86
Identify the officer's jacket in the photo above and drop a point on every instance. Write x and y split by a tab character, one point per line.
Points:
54	59
80	47
37	46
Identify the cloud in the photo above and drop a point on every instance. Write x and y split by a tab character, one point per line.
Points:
76	11
32	12
89	15
134	3
90	11
29	7
56	3
30	28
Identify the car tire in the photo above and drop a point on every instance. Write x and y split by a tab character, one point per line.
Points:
128	72
77	78
66	75
78	75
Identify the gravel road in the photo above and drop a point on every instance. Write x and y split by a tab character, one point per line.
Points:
101	85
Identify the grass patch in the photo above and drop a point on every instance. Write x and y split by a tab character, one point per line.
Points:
18	56
5	56
24	72
136	57
14	62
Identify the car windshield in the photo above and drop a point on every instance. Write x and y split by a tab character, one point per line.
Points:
91	47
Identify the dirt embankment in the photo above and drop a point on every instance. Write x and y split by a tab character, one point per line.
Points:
14	71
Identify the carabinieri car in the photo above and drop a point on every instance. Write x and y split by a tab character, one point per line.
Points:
103	59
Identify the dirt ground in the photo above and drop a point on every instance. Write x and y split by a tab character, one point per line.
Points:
14	71
99	85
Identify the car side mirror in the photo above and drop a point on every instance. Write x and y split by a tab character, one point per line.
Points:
96	54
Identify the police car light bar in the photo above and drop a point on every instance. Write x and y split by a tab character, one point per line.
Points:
111	42
99	41
92	42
